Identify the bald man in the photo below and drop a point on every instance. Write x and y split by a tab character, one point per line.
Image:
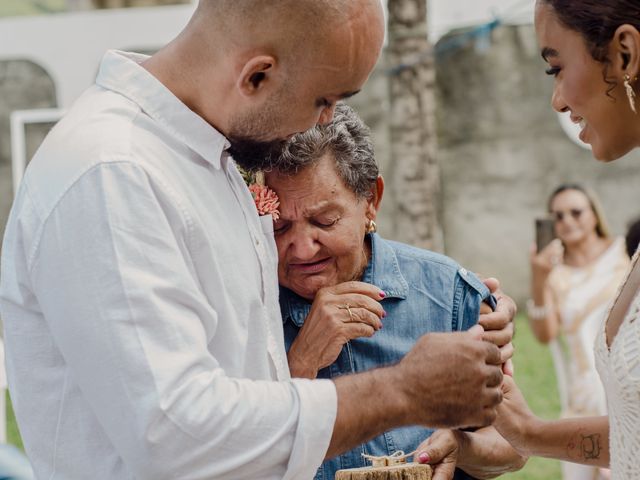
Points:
139	285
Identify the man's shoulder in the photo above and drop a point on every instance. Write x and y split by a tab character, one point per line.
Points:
101	129
96	128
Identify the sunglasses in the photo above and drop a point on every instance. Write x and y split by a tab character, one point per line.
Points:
574	212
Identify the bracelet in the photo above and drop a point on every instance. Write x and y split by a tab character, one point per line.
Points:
536	312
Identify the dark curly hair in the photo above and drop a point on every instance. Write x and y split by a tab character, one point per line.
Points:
596	20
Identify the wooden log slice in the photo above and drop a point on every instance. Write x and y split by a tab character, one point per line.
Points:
405	471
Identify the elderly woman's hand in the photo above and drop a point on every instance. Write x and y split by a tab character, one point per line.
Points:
498	324
338	314
441	451
482	454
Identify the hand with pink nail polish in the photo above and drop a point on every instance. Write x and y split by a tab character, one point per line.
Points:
338	314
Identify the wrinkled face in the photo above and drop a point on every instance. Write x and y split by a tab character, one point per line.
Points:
579	87
575	220
333	70
321	230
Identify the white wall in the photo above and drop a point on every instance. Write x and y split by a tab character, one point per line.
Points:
445	15
70	46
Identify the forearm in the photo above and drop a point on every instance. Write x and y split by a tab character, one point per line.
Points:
544	327
579	440
486	454
363	410
537	289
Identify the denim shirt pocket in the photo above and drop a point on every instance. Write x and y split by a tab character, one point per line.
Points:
469	292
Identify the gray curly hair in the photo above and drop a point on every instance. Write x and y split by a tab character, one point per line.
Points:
348	139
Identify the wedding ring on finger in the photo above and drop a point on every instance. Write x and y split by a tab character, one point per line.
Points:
348	309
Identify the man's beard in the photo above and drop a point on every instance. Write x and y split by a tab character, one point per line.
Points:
255	155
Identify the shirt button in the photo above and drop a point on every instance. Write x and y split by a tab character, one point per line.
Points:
257	242
463	272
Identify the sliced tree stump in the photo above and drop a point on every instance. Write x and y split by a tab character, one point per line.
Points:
404	471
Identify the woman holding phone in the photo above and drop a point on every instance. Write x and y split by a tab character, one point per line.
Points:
573	282
593	52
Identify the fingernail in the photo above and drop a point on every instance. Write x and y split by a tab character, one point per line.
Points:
382	294
423	457
384	314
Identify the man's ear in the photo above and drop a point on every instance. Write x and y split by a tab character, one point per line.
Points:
256	74
625	51
374	202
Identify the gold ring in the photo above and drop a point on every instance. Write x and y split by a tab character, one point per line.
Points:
348	309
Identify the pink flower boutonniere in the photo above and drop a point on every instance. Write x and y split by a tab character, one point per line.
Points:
266	200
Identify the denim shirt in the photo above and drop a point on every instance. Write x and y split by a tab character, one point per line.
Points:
425	292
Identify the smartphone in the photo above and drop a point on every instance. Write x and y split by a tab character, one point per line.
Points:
545	232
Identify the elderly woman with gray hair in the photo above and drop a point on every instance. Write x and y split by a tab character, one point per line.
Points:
328	249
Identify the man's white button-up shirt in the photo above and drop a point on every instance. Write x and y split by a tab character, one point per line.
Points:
139	298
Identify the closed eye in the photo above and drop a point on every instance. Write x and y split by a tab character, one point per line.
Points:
280	227
552	71
325	223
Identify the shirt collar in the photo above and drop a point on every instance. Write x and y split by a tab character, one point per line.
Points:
382	271
122	73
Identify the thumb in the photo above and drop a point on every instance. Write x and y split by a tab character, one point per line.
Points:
492	284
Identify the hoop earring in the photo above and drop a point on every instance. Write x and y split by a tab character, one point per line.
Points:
631	94
372	227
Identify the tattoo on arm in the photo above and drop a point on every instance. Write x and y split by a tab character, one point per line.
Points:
590	446
587	447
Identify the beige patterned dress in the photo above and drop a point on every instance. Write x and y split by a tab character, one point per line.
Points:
582	296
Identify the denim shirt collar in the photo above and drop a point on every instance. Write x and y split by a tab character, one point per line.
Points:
382	271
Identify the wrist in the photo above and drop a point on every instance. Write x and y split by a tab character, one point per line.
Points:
529	438
399	407
535	311
299	367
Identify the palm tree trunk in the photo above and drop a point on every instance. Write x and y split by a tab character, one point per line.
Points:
415	175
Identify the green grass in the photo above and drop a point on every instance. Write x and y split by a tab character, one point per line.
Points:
536	378
13	435
534	374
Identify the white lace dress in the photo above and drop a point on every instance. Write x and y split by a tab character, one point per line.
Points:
619	369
